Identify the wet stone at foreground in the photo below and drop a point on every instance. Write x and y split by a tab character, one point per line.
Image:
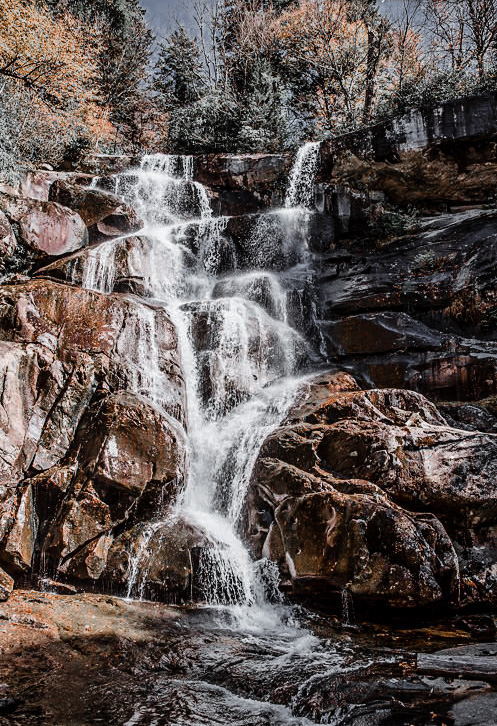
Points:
89	659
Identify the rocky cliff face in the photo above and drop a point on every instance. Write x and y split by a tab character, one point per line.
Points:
381	481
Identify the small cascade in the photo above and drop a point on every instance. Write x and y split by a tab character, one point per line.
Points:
261	287
301	181
163	192
100	270
240	354
169	165
137	574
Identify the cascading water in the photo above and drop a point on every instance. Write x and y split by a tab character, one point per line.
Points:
240	354
301	179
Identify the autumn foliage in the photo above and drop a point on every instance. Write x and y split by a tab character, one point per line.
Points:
48	68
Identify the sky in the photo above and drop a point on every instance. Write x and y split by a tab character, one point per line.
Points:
162	14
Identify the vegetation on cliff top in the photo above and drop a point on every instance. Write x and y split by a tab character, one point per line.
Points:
249	75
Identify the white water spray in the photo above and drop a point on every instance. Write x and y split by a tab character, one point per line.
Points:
239	353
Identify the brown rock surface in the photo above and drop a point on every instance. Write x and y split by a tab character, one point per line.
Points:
47	229
84	430
102	212
371	491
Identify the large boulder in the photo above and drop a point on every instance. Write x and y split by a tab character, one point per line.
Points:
127	444
373	492
104	214
44	229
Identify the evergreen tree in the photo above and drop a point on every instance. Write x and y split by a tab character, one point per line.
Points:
264	127
178	79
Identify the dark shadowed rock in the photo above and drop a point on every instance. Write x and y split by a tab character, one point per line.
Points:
440	155
426	300
244	183
8	242
157	559
381	333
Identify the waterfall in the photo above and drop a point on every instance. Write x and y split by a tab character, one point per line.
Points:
301	179
241	357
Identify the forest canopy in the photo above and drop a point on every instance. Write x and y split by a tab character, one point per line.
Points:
78	76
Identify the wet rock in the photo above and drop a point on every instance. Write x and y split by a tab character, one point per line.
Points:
86	425
244	183
156	559
477	416
6	585
123	265
61	588
69	325
426	300
474	711
131	462
82	518
426	271
381	333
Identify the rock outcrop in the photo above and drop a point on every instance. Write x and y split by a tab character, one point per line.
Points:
438	157
87	444
371	492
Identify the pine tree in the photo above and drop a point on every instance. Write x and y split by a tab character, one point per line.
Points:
264	127
178	79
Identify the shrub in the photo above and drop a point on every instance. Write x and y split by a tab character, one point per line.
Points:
388	222
424	262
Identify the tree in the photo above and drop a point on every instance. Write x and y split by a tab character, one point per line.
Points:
377	29
464	32
48	98
339	48
264	125
407	68
124	49
45	56
179	76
